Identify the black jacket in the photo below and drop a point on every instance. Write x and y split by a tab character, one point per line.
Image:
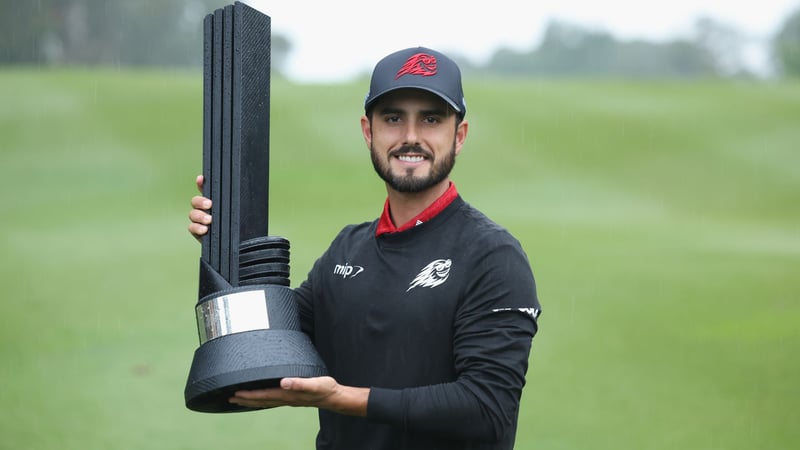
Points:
436	320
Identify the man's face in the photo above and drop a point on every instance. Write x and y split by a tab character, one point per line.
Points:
413	139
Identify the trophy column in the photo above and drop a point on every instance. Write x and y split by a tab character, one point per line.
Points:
247	318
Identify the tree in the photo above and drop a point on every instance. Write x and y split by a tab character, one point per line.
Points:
110	32
23	30
573	50
724	42
786	45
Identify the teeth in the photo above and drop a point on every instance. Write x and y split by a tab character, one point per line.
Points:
407	158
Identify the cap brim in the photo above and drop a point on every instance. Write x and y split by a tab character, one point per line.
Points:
423	88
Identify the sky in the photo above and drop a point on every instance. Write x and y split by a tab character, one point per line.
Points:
336	40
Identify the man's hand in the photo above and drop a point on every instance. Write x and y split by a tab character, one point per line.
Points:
320	392
199	217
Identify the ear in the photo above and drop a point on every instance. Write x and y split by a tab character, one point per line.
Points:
366	130
461	135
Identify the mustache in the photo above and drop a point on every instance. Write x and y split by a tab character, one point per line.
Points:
411	149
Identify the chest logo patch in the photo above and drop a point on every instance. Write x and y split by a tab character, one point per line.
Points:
347	271
432	275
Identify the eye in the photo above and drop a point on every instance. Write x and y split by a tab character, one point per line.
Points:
431	119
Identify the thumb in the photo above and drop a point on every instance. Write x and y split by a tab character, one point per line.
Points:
288	383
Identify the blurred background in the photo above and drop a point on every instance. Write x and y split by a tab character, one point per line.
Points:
340	41
646	156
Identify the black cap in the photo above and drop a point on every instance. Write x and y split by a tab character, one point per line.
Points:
419	68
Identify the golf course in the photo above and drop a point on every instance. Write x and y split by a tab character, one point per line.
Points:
661	219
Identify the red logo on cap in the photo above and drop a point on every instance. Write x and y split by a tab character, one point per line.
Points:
420	64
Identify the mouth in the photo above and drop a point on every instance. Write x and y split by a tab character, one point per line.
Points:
411	155
411	158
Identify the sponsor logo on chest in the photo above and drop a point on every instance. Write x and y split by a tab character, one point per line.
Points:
346	270
432	275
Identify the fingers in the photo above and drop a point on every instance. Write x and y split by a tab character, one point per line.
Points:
200	202
199	181
310	386
199	222
262	398
199	217
292	392
265	398
319	392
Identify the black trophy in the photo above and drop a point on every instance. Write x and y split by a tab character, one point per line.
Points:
247	317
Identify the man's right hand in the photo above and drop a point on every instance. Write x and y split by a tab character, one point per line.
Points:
199	216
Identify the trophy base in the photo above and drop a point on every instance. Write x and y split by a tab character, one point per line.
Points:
246	361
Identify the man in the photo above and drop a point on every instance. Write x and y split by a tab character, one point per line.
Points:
427	339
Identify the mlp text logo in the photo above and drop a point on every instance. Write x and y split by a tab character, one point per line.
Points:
347	271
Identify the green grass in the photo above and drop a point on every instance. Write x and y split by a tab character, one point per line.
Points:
662	220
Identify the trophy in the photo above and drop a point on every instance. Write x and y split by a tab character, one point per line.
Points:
247	317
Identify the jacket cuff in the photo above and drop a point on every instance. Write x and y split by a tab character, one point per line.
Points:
385	405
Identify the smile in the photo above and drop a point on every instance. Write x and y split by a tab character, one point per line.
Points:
410	158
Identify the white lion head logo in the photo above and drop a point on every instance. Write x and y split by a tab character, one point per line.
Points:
432	275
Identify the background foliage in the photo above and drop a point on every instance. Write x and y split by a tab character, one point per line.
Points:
166	32
787	45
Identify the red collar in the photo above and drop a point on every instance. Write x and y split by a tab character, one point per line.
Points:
385	224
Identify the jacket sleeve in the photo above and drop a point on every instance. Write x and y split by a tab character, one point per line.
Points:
495	323
305	304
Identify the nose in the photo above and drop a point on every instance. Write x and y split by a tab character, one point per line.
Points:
412	134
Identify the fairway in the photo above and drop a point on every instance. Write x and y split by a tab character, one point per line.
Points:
661	218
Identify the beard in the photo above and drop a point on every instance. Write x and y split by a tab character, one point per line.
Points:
408	182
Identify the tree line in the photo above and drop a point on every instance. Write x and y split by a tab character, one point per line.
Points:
168	33
714	49
109	32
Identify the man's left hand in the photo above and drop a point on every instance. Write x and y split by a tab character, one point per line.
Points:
319	392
